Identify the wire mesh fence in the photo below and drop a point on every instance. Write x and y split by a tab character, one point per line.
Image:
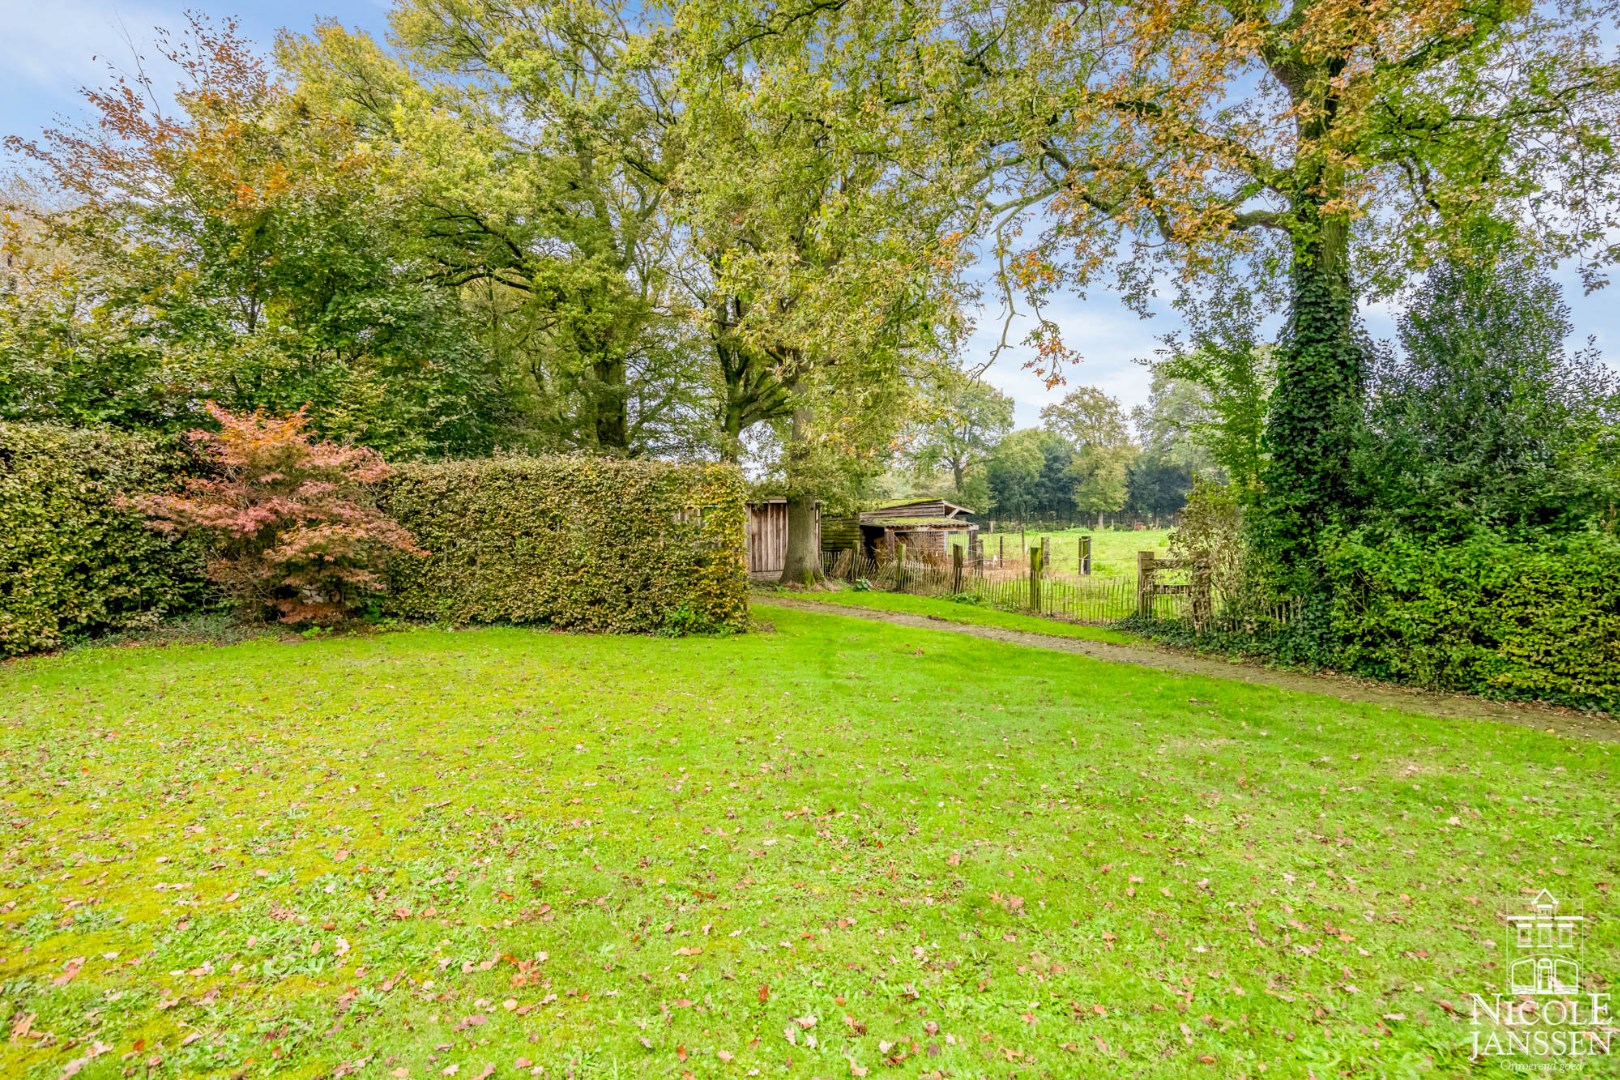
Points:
1163	593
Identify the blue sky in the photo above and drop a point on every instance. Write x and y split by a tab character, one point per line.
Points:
49	48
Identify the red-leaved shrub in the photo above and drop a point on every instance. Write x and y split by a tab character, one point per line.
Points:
294	526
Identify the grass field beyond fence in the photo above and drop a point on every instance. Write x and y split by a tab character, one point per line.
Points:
835	848
1113	551
1107	593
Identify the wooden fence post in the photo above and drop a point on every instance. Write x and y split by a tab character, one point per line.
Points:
900	567
1144	584
1046	551
1203	607
1001	556
1035	580
1085	556
956	568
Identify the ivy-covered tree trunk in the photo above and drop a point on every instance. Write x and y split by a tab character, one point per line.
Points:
612	427
803	564
1316	407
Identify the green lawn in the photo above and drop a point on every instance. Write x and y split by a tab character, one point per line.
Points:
956	611
838	848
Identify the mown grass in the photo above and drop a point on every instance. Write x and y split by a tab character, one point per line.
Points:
956	611
834	847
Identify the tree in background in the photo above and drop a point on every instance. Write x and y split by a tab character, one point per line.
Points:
963	420
537	153
68	352
1031	472
238	248
829	227
1096	430
1328	148
1168	427
1156	486
1484	421
1234	377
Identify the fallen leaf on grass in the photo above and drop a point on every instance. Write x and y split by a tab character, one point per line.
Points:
96	1050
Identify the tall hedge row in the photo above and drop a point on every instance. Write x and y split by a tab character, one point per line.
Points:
575	543
72	561
1521	619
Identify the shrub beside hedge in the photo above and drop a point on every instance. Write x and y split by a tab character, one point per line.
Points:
1533	619
575	543
73	562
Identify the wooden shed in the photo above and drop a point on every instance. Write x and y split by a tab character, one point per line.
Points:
928	528
768	535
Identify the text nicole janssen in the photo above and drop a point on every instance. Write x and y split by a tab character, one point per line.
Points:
1560	1027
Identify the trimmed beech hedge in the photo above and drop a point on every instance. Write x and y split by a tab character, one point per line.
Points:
1520	619
575	543
73	562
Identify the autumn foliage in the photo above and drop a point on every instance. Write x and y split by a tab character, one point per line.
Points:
292	520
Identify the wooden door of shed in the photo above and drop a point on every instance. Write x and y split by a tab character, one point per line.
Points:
768	536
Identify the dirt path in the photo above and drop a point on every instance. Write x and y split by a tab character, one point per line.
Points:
1346	688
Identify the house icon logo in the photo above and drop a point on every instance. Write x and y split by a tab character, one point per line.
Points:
1544	948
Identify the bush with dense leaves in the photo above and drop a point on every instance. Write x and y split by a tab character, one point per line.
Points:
576	543
1485	421
291	518
74	561
1537	619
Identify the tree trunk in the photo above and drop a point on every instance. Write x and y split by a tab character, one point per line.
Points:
803	564
1316	408
731	426
612	406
